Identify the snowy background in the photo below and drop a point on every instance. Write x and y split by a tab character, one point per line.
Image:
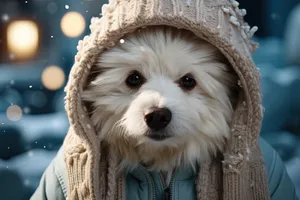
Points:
35	60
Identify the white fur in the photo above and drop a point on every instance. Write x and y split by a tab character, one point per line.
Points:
200	117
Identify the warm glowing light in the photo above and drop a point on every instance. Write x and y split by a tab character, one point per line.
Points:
14	113
53	77
22	38
72	24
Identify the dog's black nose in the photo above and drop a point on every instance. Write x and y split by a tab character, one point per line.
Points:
158	118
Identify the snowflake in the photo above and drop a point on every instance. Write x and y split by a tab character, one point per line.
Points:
89	126
12	56
12	82
274	16
5	17
30	153
30	86
52	8
27	182
26	110
52	36
67	7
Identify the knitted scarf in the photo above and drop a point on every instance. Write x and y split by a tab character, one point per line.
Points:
241	174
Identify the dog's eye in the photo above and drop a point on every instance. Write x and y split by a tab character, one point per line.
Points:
187	82
135	79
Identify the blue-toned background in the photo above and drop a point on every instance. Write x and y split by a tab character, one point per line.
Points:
38	41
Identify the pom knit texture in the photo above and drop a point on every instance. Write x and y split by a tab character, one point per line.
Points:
241	175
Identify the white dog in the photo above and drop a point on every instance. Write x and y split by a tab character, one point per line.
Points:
163	98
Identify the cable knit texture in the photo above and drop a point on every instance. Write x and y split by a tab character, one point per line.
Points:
241	175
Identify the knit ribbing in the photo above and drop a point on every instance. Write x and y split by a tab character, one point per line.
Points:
92	172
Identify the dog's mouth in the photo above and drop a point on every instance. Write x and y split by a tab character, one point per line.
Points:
158	136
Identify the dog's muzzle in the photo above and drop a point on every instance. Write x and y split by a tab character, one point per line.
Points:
157	120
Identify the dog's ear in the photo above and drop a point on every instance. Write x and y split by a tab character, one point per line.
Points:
94	73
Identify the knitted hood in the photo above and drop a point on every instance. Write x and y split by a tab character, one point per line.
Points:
241	175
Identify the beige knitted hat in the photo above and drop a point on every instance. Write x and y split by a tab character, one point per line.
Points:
241	175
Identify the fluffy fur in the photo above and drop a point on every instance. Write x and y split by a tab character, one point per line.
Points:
200	117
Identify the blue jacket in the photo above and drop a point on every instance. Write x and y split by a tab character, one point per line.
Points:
144	185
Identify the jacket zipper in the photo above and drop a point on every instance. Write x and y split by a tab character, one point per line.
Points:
152	183
168	195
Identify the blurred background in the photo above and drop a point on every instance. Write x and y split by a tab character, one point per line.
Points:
38	40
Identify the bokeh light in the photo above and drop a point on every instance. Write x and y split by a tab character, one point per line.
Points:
22	38
72	24
52	8
14	113
53	77
35	98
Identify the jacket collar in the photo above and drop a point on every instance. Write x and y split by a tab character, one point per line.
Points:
140	173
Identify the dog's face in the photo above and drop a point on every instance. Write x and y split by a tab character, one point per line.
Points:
163	96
